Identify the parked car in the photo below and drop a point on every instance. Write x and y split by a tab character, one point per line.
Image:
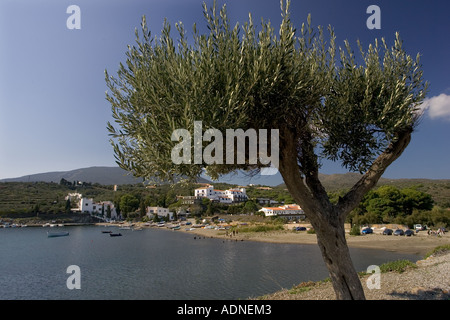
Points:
367	231
419	227
399	232
409	233
299	229
387	232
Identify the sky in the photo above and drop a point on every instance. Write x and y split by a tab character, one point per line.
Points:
53	111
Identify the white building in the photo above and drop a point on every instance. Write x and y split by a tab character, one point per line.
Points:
223	196
289	211
87	205
159	211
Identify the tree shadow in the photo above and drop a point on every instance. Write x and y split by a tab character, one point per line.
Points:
423	294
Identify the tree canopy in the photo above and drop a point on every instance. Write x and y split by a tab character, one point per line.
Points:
236	77
325	101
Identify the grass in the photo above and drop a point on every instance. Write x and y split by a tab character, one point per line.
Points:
262	228
438	250
399	266
302	287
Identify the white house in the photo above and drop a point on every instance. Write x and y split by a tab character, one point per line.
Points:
223	196
88	205
159	211
289	211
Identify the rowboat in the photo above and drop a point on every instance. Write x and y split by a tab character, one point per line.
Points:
57	234
115	235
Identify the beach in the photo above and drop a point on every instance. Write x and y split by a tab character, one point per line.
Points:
429	281
420	243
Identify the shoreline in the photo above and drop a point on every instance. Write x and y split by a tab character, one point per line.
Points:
419	244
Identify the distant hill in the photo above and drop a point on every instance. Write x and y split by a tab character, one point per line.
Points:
101	175
335	182
439	189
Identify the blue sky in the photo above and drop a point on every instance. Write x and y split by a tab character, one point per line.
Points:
53	111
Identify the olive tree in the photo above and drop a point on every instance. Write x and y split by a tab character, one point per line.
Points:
325	101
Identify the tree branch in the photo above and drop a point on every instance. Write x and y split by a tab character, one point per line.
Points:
376	170
290	171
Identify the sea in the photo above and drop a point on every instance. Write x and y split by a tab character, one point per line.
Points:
156	264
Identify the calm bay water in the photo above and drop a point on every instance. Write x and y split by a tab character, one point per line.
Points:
157	264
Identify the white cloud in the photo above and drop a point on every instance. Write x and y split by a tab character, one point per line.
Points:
437	106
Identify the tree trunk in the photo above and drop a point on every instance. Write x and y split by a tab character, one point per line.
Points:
327	219
336	255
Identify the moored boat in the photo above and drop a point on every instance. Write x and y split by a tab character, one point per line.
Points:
57	234
115	234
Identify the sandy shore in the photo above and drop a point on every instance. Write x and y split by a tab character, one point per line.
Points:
420	243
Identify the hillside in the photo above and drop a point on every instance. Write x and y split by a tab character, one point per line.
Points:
101	175
438	189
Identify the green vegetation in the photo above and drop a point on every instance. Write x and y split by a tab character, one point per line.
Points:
302	287
262	228
389	204
355	230
399	266
438	250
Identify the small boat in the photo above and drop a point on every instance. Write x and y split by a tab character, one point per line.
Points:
115	234
176	228
106	231
57	234
125	228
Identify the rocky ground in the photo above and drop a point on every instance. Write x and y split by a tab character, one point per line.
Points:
429	281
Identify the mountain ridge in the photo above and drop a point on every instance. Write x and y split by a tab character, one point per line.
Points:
97	174
116	175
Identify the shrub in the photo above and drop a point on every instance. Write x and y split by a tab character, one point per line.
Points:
354	231
397	266
262	228
438	250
